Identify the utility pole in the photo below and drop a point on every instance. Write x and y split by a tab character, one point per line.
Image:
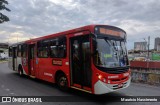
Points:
148	46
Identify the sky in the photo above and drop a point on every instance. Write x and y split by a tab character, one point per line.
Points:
35	18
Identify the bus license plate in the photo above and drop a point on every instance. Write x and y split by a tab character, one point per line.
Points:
120	85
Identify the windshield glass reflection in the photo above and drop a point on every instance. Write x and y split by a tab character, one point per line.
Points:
110	53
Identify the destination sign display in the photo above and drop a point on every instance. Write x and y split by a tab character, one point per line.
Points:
110	31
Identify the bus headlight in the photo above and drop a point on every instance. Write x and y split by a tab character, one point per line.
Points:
100	77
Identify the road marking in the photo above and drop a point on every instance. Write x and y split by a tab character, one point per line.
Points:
7	89
12	93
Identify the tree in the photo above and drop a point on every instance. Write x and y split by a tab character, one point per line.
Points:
3	18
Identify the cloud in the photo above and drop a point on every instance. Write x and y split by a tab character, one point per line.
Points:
67	4
35	18
134	26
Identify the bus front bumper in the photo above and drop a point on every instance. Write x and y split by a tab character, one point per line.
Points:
102	88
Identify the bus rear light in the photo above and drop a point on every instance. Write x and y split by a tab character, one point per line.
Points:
100	77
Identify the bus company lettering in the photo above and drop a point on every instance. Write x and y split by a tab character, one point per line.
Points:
48	74
77	34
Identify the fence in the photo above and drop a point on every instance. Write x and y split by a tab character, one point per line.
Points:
145	72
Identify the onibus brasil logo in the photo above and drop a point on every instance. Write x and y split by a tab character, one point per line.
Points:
20	99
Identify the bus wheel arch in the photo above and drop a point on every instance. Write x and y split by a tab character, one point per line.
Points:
61	80
20	70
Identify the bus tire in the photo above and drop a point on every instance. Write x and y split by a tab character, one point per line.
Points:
62	82
20	71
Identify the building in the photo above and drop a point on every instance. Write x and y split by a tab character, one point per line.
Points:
140	46
157	44
158	47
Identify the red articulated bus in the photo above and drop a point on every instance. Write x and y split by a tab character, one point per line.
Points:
92	58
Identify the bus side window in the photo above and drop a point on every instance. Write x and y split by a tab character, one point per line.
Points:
58	47
43	51
19	51
24	50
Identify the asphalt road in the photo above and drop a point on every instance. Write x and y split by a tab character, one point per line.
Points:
11	84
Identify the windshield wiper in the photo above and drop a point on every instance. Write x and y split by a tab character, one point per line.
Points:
113	47
110	44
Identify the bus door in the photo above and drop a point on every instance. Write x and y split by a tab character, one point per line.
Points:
80	62
31	60
14	60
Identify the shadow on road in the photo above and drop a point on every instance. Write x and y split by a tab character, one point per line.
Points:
72	94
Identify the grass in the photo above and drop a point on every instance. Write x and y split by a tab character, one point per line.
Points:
3	60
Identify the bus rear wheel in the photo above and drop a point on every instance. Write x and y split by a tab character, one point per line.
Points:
62	82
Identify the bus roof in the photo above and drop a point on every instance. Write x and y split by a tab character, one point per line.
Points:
83	28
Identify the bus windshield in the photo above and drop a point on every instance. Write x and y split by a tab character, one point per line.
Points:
110	53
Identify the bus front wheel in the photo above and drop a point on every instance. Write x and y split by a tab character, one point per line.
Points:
62	82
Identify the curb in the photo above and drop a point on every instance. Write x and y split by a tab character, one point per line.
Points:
147	84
